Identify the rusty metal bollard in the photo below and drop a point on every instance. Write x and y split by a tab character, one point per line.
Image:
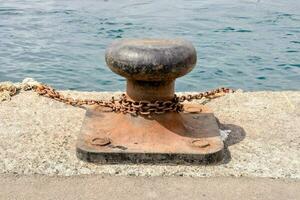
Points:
151	67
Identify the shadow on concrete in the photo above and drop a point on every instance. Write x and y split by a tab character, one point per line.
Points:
236	135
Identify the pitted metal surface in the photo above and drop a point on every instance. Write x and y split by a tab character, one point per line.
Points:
151	59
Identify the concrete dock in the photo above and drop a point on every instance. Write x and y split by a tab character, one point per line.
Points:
38	136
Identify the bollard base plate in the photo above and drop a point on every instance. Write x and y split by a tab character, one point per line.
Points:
189	137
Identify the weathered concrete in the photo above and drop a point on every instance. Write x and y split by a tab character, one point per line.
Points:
38	135
131	188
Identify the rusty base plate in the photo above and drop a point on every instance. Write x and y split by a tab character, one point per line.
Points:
193	137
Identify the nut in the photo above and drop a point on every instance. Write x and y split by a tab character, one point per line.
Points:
201	143
100	141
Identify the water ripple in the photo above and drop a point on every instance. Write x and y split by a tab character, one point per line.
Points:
241	44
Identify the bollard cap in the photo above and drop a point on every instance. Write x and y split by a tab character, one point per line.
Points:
151	59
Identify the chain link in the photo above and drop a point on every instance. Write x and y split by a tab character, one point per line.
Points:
125	105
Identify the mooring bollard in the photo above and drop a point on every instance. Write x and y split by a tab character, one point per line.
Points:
154	130
151	66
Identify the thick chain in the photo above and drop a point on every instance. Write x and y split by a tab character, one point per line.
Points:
125	105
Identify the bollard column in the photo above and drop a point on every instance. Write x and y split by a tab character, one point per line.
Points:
150	67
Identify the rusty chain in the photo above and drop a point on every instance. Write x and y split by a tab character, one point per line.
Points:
125	105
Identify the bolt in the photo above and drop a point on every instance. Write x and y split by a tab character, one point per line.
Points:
100	141
202	143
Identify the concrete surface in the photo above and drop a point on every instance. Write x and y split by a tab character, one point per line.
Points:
131	188
38	135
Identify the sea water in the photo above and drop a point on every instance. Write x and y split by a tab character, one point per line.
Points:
248	44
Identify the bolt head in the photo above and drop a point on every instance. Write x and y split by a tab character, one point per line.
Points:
100	141
201	143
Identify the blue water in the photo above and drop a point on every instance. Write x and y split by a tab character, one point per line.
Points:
249	44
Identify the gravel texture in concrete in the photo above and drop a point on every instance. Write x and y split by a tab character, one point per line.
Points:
38	136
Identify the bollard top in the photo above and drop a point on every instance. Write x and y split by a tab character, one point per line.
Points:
151	59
